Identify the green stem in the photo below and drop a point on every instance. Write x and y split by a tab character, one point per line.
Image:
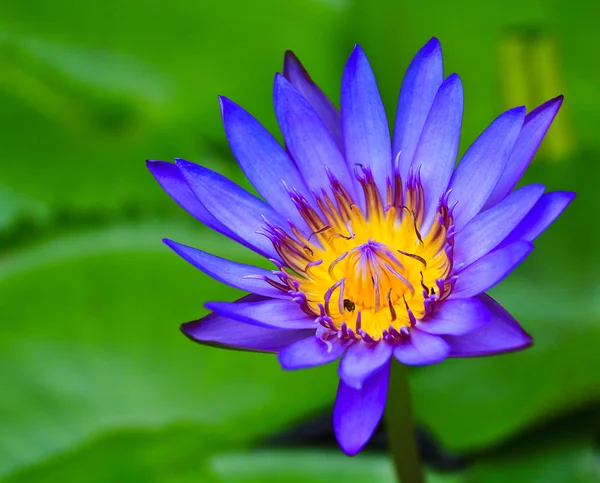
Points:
400	427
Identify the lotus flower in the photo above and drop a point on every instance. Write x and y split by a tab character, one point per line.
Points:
381	247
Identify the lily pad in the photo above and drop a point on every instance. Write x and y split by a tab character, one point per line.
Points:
100	97
91	345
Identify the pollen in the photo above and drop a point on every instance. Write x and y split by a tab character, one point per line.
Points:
365	270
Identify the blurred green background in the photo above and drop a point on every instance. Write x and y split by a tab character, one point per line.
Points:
96	382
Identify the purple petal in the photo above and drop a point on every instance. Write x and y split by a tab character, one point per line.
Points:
238	210
224	332
489	270
362	360
489	228
545	211
482	165
263	160
456	317
173	182
536	125
307	138
436	152
502	334
358	411
238	275
421	348
364	122
294	71
271	313
423	78
312	351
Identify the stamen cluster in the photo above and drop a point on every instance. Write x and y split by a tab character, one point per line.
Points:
365	271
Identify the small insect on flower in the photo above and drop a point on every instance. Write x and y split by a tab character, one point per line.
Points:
380	247
349	305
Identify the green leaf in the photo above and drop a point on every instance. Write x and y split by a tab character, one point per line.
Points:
172	454
15	207
556	461
325	466
568	455
91	344
99	97
190	453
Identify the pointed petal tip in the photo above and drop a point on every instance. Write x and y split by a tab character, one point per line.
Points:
555	102
154	165
214	330
224	103
514	117
552	105
351	450
432	45
279	79
502	335
357	52
281	84
176	247
536	187
282	87
453	79
290	57
230	110
567	197
528	342
350	446
290	62
293	69
518	110
453	87
186	329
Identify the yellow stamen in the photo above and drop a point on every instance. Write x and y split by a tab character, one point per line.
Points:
374	271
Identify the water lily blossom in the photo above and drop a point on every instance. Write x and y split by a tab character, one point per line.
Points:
381	246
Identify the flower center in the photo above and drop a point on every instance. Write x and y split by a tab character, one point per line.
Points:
367	272
372	273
